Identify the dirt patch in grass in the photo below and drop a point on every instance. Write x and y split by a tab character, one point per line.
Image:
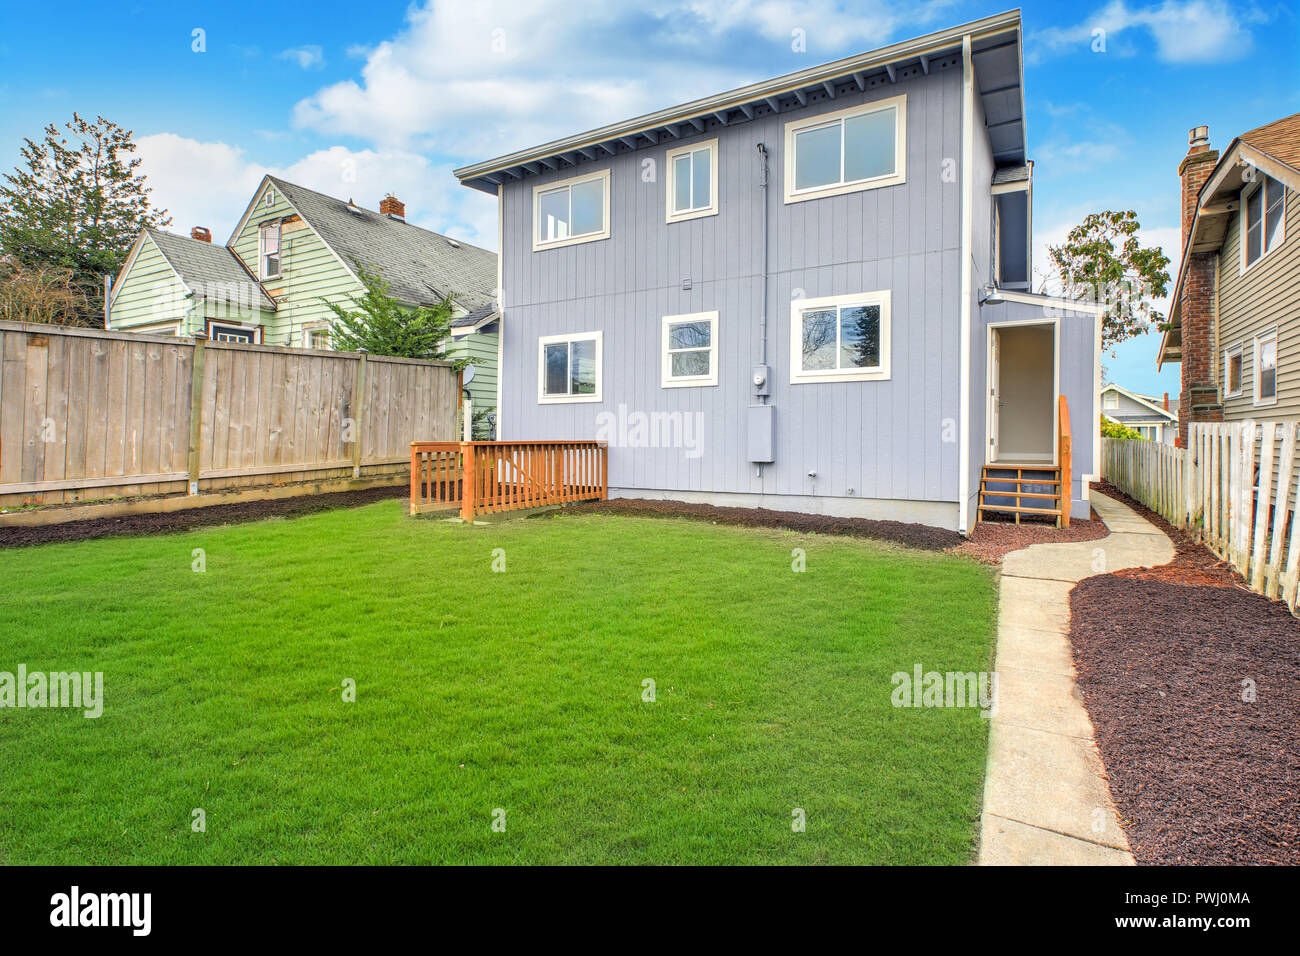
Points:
991	541
1199	774
1194	565
191	518
913	535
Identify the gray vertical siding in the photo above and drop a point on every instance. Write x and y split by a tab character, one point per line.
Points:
883	440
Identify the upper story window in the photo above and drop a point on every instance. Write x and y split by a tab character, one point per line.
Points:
834	153
1261	220
568	367
692	181
1266	367
840	338
1110	401
270	197
575	210
690	350
268	250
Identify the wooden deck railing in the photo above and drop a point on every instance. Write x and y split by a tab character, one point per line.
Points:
486	477
1065	449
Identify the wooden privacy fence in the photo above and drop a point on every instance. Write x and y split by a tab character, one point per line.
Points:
483	477
1234	489
87	414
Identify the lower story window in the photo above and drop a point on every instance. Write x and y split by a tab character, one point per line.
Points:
1266	367
840	338
1232	371
690	350
218	332
568	367
316	336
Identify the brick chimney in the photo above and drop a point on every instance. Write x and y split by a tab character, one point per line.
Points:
391	206
201	233
1166	401
1199	401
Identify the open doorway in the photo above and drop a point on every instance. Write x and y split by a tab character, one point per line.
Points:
1022	392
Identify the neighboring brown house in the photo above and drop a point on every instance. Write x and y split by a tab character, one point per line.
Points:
1235	313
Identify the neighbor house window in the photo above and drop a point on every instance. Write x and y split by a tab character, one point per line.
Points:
1266	367
692	181
568	367
1232	371
858	148
690	350
572	211
1110	400
218	332
1261	220
316	336
269	250
840	338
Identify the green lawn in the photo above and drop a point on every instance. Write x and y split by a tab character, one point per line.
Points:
478	690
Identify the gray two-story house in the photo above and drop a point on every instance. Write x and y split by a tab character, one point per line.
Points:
807	294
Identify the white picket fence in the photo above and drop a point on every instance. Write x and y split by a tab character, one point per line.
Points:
1233	489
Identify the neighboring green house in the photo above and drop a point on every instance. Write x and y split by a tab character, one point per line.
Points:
292	249
476	336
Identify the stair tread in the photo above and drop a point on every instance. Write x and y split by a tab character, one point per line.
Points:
1015	494
1021	509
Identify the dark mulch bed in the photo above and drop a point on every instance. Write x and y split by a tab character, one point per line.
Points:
991	541
912	535
191	518
1194	565
1199	775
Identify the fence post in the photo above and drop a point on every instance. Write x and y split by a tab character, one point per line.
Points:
358	410
467	482
416	478
196	411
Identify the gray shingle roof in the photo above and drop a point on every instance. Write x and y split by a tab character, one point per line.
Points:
421	267
211	271
474	317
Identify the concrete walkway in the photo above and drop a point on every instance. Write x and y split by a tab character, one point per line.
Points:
1046	799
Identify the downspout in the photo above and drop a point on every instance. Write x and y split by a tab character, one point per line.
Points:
967	220
762	271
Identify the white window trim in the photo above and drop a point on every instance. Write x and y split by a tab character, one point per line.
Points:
798	306
1228	353
261	249
545	340
211	324
899	175
1106	396
1264	336
670	178
1242	265
538	244
666	377
309	328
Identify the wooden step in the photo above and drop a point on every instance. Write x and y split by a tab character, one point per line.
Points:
1021	481
993	493
1012	509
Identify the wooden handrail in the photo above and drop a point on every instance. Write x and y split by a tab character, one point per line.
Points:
493	476
1066	451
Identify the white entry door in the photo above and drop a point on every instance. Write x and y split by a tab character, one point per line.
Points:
995	397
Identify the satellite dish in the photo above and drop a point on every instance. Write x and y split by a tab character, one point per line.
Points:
467	375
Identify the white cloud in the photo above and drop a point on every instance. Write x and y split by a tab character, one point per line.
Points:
1184	31
210	184
478	80
308	57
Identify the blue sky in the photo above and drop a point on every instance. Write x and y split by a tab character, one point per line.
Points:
361	100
